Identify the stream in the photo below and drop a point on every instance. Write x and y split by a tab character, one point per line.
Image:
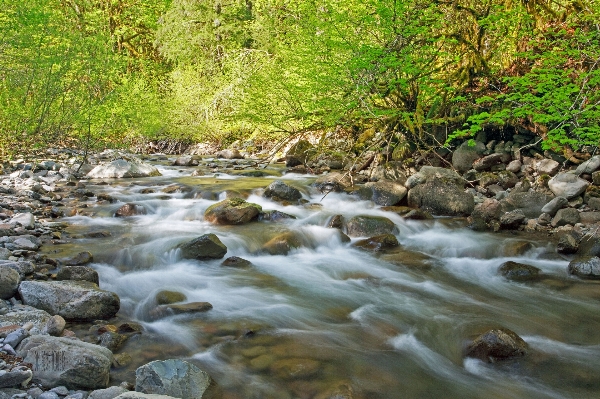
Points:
329	319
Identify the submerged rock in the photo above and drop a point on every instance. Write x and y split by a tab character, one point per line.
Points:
378	243
232	211
166	297
497	344
130	210
235	261
519	271
172	377
62	361
283	243
207	246
73	300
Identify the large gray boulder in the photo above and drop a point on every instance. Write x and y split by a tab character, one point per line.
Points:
464	156
172	377
589	166
9	282
368	226
207	246
531	202
232	211
547	167
585	267
122	168
441	198
63	361
78	273
22	267
27	220
567	185
386	192
431	173
280	191
73	300
23	314
566	216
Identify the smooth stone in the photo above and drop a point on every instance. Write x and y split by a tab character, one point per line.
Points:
280	191
207	246
554	205
130	210
17	376
107	393
519	271
9	282
122	168
234	261
585	267
166	297
172	377
567	185
589	166
27	220
78	273
497	344
82	258
63	361
366	226
232	211
73	300
547	167
55	326
441	198
386	192
139	395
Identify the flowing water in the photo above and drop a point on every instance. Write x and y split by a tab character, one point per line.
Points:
329	319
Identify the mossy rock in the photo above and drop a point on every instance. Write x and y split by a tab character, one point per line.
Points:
166	297
232	211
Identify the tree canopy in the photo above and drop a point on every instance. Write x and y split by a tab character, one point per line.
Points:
96	73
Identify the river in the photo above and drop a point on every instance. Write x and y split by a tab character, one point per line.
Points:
329	319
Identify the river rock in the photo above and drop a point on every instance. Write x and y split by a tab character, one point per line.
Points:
531	203
112	340
16	376
130	210
596	178
4	253
585	267
108	393
366	226
295	368
173	377
235	261
283	243
23	314
518	271
464	156
378	243
386	192
82	258
229	154
280	191
594	203
431	173
488	161
14	338
298	153
565	216
55	326
27	220
166	297
567	244
73	300
139	395
514	166
547	166
567	185
512	219
504	179
589	244
554	205
63	361
441	198
9	282
232	211
78	273
275	216
497	344
185	160
589	166
332	182
207	246
122	168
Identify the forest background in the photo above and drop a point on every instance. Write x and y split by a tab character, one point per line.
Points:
91	74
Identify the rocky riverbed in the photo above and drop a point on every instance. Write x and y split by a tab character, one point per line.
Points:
63	332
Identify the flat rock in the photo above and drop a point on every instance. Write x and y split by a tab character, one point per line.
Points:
173	377
122	168
107	393
73	300
377	243
78	273
63	361
567	185
547	167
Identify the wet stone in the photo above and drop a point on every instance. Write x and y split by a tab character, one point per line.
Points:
497	344
166	297
234	261
519	271
585	267
378	243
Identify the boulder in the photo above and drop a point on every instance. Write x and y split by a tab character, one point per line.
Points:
27	220
514	166
441	198
567	185
9	282
63	361
23	314
518	271
332	182
232	211
531	203
490	209
55	326
567	244
512	219
78	273
565	216
393	171
488	161
230	154
554	205
547	167
207	246
173	377
73	300
235	261
431	173
386	192
130	210
185	160
166	297
298	153
366	226
587	267
378	243
464	156
589	166
14	376
82	258
283	243
497	344
280	191
122	168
